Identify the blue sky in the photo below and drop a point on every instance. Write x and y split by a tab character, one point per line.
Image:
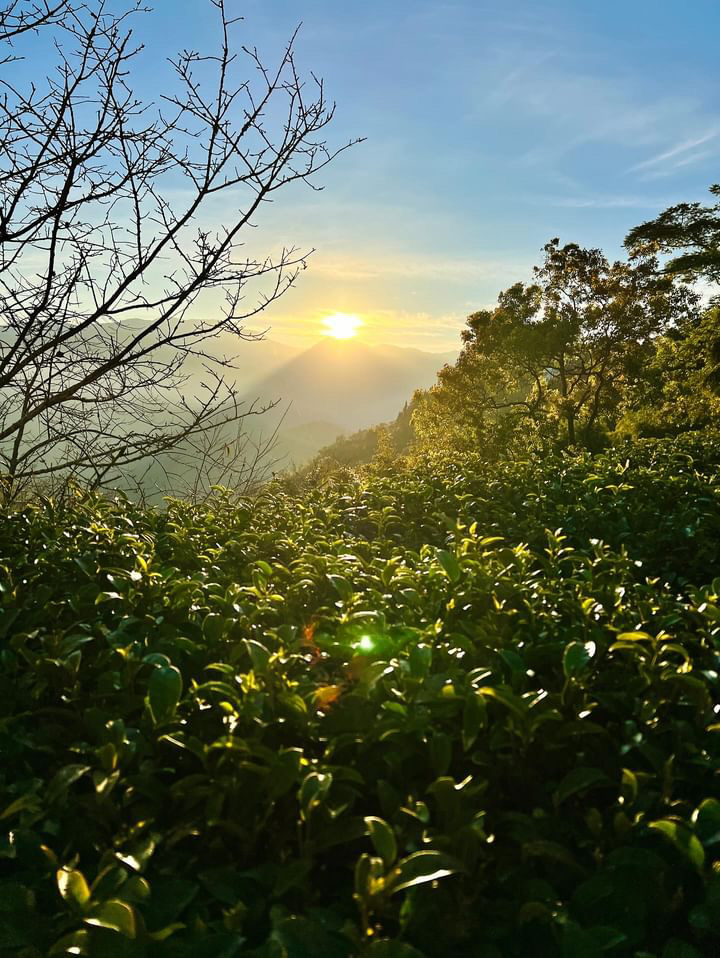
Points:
490	128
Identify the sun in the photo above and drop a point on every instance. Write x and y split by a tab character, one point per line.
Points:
342	325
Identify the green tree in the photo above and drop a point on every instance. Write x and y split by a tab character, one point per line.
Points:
690	230
678	389
555	357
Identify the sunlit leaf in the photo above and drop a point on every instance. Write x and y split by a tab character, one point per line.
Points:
682	838
383	839
73	887
115	916
450	564
419	868
577	657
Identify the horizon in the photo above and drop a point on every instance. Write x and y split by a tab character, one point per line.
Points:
310	340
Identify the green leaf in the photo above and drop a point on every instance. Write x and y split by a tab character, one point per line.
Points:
304	938
341	585
683	838
291	875
368	874
474	718
213	627
64	779
313	790
163	933
629	786
578	780
707	821
109	881
29	801
383	839
419	868
136	889
73	887
419	660
164	691
115	916
694	688
450	564
576	658
76	943
392	949
679	949
552	851
259	655
440	752
508	699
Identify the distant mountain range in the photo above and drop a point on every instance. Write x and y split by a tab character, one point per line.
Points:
336	387
331	389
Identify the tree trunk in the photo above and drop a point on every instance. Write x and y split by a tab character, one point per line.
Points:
569	412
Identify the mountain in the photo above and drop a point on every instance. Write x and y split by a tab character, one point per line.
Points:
337	387
323	393
251	360
349	383
298	444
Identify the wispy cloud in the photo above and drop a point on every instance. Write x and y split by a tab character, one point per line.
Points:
415	266
685	153
567	105
584	202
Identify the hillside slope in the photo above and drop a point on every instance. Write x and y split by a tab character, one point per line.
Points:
350	383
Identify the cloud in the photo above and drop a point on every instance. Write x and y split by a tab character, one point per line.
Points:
683	154
566	104
602	202
415	266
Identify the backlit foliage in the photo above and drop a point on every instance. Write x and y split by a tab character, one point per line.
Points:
468	710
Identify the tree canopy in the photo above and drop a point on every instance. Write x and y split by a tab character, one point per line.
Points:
689	230
557	354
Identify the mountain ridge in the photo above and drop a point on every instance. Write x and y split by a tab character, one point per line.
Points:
352	383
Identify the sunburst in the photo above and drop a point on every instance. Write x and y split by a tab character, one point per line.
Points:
342	325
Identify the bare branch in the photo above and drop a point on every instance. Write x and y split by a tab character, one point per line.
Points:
116	267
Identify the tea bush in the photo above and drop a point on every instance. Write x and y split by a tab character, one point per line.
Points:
468	709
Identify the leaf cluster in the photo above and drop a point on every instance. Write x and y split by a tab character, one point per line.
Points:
469	709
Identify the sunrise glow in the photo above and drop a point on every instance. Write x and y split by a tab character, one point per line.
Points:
342	325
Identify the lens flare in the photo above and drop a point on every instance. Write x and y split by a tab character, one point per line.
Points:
342	325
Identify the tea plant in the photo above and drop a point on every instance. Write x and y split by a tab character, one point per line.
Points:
470	709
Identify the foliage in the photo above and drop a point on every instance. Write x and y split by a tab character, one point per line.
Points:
395	716
552	360
362	447
678	388
690	230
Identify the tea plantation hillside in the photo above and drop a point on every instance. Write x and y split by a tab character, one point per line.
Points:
468	710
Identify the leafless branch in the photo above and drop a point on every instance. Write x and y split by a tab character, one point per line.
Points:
122	239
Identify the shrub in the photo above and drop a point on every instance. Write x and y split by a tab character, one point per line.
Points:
470	709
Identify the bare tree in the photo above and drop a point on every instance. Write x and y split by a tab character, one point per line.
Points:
19	16
108	252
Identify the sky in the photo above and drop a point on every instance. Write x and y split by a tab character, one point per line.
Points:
490	127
